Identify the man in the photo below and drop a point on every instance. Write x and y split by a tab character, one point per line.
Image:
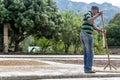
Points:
86	37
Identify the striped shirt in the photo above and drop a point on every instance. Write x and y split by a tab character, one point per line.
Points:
87	26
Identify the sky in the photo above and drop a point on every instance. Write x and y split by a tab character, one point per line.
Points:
113	2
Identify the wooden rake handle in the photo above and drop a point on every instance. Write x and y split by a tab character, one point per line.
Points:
104	34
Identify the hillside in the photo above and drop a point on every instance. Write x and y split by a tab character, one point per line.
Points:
109	9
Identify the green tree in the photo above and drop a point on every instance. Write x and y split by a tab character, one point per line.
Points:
70	30
3	20
4	14
113	31
115	20
113	36
98	43
43	43
51	19
76	22
28	17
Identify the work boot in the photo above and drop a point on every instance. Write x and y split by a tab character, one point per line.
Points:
90	71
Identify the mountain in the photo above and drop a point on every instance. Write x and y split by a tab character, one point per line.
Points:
109	9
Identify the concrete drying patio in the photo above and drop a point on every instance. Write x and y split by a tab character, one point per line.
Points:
33	69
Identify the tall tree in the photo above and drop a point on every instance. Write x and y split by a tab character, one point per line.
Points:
3	20
113	31
70	30
28	17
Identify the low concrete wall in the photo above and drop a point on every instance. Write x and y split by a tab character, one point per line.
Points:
115	49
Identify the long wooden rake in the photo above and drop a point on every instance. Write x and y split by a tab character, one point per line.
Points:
109	64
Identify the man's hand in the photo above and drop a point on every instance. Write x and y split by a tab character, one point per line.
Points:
103	31
101	13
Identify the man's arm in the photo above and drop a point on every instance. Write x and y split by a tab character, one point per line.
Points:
97	29
94	17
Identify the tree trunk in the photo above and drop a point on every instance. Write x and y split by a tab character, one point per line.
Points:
66	48
17	41
75	50
1	38
16	47
6	26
